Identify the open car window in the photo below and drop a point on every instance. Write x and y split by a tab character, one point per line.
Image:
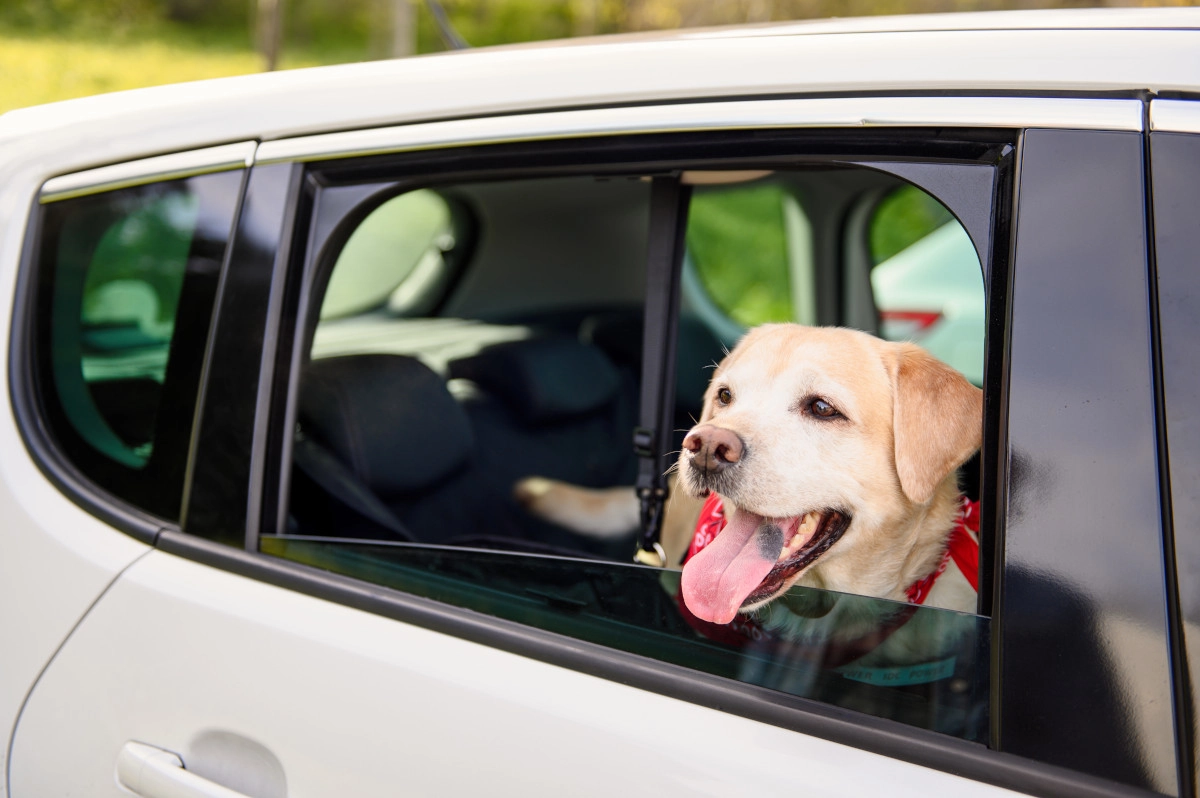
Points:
466	334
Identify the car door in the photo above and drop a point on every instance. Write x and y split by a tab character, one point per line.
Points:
240	653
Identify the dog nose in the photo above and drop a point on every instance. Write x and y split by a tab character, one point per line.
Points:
713	449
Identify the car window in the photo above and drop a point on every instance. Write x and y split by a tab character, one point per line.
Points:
510	379
417	424
126	288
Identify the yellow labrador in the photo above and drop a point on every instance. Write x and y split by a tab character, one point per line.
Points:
835	456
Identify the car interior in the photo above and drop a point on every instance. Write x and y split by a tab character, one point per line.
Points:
470	335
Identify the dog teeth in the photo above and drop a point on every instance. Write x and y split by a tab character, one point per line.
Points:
804	532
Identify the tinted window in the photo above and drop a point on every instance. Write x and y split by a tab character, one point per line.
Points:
395	259
817	644
127	279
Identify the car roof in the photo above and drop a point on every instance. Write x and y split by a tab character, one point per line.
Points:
1089	51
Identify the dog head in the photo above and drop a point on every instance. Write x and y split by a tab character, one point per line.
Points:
835	454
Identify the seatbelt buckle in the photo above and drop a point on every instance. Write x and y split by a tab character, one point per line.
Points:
655	557
651	499
643	442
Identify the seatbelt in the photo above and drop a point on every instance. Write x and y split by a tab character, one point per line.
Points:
664	260
338	481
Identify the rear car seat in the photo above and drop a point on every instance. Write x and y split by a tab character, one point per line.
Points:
386	451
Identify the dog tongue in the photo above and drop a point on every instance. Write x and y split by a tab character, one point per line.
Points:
719	577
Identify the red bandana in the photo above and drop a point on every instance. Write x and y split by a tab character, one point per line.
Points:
962	546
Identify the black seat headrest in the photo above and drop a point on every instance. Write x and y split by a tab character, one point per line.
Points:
388	418
619	334
543	380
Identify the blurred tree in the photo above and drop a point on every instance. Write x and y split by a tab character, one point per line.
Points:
332	31
585	15
44	14
269	31
404	28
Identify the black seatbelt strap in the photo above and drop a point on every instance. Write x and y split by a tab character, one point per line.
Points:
339	482
664	260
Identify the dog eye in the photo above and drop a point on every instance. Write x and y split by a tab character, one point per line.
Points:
822	409
724	396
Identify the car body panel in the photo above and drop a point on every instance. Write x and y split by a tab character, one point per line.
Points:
401	708
849	112
49	577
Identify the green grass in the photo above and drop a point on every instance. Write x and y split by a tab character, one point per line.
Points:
43	67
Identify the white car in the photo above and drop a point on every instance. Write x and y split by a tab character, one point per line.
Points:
278	347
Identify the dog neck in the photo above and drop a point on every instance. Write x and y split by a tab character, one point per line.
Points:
923	530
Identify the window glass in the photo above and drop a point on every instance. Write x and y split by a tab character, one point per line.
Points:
121	273
781	248
811	643
396	257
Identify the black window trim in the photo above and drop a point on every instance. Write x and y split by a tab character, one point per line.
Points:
1080	374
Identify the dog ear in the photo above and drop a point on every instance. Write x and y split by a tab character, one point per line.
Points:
937	420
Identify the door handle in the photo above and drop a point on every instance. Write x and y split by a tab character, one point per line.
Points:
151	772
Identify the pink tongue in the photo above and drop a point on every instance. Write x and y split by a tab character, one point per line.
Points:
719	577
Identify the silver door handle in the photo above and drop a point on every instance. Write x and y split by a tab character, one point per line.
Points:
154	773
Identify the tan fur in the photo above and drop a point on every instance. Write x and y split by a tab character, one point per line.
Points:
909	422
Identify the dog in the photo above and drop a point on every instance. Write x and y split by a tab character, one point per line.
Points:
824	457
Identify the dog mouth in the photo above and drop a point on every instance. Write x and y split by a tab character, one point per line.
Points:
753	557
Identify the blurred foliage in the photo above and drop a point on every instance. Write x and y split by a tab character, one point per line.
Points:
737	242
361	29
53	49
41	68
904	217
